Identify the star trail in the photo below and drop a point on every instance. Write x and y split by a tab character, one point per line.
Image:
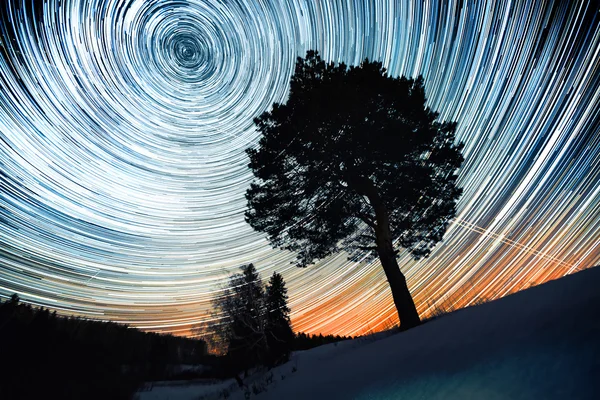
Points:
123	125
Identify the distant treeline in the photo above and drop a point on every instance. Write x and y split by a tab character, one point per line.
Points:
48	356
304	341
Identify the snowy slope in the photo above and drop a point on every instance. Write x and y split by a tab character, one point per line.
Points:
541	343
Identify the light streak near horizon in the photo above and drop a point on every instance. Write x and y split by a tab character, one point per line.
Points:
123	125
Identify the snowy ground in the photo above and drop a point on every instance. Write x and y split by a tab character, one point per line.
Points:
541	343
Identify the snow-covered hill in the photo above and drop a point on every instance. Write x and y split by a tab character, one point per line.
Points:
541	343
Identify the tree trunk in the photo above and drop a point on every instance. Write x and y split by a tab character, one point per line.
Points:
407	312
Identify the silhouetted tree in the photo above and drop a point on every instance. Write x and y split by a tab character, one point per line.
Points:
278	329
242	306
255	321
14	299
354	160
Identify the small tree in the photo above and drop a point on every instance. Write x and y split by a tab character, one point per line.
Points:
242	306
14	299
354	160
278	329
255	322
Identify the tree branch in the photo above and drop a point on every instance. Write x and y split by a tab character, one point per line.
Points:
366	248
366	219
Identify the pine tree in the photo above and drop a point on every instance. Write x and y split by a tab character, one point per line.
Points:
243	308
256	321
354	160
14	299
278	330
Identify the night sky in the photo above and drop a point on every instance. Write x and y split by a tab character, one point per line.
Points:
123	125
